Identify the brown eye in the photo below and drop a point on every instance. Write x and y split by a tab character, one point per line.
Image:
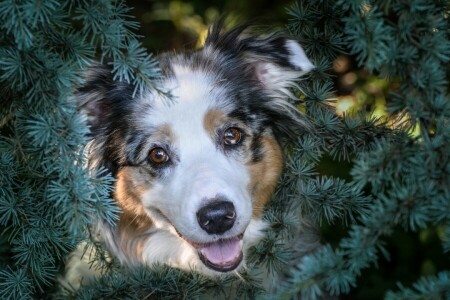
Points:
158	156
232	136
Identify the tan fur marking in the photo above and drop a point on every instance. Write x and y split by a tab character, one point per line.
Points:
134	222
264	175
164	133
212	120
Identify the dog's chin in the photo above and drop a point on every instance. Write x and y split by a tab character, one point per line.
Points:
223	255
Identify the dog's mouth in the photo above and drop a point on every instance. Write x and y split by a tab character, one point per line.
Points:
223	255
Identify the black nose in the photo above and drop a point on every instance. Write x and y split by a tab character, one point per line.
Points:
216	217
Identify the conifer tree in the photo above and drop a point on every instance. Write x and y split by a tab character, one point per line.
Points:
407	43
48	197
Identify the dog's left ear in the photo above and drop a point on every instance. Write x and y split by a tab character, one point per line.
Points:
276	62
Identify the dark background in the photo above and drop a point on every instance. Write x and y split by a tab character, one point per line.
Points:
179	25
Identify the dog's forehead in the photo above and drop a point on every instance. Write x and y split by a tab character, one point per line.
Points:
193	86
196	94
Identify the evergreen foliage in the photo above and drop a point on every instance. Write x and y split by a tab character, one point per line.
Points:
407	43
48	197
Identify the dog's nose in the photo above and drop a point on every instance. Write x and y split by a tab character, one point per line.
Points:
216	217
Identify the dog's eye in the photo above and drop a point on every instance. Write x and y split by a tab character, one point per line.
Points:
158	156
232	136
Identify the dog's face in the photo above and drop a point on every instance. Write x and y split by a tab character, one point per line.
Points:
196	172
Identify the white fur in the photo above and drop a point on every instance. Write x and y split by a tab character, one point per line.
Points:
298	57
214	173
278	79
80	268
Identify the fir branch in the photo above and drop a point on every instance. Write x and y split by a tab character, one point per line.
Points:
446	240
13	20
15	284
40	12
163	282
330	200
433	287
370	38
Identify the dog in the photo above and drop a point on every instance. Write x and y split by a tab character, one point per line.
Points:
194	174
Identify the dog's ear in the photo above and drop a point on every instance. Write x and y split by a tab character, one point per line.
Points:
100	96
274	60
104	101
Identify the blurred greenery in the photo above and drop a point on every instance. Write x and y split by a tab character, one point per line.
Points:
168	25
177	25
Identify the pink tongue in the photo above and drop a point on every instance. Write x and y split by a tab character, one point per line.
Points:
222	252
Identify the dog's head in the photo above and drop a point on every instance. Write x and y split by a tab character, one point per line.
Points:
202	167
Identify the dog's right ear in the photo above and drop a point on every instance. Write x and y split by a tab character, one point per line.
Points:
100	96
